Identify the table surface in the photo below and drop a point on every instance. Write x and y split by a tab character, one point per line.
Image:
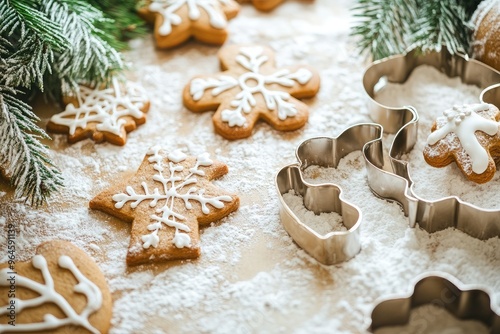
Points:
251	276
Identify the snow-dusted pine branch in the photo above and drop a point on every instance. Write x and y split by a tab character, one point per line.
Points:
22	156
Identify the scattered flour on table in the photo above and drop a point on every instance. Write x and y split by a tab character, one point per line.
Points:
251	276
322	223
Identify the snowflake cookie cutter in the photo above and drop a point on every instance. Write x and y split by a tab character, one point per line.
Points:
337	246
393	181
440	289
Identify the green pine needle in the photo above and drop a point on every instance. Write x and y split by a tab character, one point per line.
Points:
381	25
442	23
21	154
388	27
52	46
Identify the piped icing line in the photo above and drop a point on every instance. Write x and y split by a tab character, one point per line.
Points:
106	107
168	10
464	121
48	294
170	192
251	59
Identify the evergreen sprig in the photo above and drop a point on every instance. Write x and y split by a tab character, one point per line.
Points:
124	24
31	171
51	46
388	27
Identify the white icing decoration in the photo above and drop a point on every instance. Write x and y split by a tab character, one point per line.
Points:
168	10
47	294
106	107
464	122
170	191
251	58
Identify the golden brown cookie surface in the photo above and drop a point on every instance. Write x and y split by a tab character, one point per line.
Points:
102	114
170	195
468	135
175	21
252	88
61	290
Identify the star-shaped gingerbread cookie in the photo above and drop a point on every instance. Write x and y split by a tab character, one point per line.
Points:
252	88
106	114
170	195
175	21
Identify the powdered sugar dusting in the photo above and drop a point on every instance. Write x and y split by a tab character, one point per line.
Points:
322	223
251	276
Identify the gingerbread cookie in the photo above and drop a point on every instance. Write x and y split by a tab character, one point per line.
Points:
175	21
265	5
102	114
61	290
252	88
468	135
166	200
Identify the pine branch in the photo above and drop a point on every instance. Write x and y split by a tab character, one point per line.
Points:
51	46
442	22
90	60
382	24
32	39
24	158
124	23
387	27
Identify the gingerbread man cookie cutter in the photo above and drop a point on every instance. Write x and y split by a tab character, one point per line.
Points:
440	289
337	246
392	180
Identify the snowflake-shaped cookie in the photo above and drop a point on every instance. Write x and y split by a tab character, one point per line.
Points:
251	88
102	114
265	5
469	135
169	196
175	21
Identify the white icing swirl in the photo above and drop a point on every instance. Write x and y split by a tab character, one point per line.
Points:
249	84
464	121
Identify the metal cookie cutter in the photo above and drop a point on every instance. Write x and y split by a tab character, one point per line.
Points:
464	302
333	247
393	182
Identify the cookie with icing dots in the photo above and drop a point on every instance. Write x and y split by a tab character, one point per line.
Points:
468	135
265	5
106	114
251	88
168	198
175	21
60	290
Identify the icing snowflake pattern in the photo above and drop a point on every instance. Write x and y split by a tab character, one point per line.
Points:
106	107
252	58
171	188
47	294
168	9
464	121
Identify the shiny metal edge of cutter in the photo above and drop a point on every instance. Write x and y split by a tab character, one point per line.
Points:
334	247
393	182
443	290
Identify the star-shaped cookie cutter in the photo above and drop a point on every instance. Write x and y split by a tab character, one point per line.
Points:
336	246
392	181
440	289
